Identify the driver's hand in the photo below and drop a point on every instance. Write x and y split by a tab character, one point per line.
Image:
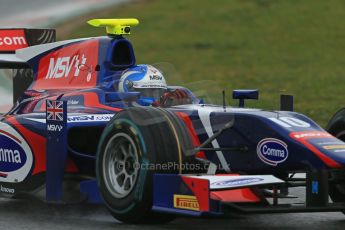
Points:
176	97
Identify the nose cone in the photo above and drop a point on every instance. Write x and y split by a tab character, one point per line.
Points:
325	146
335	151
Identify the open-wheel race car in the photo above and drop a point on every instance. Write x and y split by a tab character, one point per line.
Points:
86	117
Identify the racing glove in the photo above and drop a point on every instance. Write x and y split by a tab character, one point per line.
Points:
176	97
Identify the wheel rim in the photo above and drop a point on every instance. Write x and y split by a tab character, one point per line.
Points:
120	163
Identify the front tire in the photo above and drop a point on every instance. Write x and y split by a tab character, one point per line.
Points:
337	185
133	146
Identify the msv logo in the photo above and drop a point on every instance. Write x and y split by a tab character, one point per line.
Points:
237	182
12	155
156	77
54	128
272	151
62	66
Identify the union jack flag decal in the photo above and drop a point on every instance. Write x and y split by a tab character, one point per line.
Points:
55	110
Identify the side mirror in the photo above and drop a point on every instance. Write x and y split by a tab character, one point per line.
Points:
243	94
286	102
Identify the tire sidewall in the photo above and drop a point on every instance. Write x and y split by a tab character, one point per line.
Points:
136	197
157	134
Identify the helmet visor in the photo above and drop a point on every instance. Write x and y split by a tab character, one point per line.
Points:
151	92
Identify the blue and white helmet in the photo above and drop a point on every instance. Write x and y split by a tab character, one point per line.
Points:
145	79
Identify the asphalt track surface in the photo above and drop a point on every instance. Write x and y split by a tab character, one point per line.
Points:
31	213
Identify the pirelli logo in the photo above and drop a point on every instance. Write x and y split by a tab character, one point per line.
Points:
186	202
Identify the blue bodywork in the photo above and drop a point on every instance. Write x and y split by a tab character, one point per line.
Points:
89	110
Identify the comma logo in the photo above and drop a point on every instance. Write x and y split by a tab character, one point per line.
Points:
272	151
10	156
16	158
237	182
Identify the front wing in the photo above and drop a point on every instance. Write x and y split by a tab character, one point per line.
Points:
217	195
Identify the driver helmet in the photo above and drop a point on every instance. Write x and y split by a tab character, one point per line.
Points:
145	79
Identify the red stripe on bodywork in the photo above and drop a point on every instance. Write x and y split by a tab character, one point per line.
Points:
236	195
194	136
200	189
303	137
71	167
91	99
38	147
10	135
4	175
70	67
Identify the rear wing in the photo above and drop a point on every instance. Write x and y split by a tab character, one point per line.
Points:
14	39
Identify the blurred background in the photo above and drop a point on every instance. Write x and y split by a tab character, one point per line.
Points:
277	46
42	14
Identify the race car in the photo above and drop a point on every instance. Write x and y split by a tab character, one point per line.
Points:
86	117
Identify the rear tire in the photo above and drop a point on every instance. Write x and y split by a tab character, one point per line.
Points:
138	137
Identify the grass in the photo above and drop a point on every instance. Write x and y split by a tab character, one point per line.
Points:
278	46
